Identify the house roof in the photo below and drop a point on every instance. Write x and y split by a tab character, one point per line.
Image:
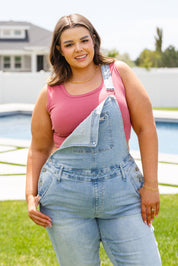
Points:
35	36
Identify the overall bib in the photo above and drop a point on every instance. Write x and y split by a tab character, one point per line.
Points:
89	187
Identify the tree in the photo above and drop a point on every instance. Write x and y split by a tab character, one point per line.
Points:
158	40
148	59
144	59
113	53
124	57
170	57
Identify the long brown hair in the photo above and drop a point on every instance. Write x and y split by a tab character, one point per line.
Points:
61	70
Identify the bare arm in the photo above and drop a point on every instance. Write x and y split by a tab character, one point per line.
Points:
40	149
143	124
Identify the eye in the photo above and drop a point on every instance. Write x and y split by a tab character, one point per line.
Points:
68	45
85	40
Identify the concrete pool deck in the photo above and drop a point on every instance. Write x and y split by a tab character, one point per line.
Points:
13	169
13	159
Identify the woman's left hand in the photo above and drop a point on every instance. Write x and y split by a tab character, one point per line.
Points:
150	205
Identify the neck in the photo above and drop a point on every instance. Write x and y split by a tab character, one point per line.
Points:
83	74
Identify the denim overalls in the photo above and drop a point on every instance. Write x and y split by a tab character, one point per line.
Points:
89	188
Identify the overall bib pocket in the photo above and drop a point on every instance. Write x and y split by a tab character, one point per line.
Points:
105	140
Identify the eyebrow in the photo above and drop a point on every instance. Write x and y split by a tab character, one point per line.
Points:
84	37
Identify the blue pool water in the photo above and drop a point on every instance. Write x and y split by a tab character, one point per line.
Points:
167	138
18	127
15	127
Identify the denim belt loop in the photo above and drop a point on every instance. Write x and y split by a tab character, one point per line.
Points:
123	174
60	173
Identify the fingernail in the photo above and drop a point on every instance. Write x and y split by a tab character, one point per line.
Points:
151	220
145	222
149	225
156	215
50	225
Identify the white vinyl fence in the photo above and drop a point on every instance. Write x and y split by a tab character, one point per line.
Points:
160	84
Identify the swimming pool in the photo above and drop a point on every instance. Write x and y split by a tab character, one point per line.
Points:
167	138
18	127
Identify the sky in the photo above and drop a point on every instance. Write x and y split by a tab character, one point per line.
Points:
128	26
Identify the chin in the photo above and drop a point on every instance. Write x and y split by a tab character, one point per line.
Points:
82	64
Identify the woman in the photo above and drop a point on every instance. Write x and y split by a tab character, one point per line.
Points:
79	168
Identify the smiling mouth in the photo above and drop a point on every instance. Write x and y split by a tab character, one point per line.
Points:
81	56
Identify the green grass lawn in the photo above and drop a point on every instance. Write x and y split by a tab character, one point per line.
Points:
166	108
24	243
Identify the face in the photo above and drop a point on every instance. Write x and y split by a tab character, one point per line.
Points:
77	47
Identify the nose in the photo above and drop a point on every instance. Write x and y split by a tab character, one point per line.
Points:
78	47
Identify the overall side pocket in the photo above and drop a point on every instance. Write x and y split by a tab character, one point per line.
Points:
136	178
45	181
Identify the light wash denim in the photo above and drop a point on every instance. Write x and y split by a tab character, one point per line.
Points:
89	188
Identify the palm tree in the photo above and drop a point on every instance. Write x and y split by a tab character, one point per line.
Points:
158	39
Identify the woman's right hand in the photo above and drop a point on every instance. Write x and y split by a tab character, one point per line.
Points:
37	217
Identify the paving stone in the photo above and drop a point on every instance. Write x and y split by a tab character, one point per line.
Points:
12	187
15	142
11	169
168	190
167	173
162	157
6	148
18	156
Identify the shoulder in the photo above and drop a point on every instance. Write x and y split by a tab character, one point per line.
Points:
44	90
121	65
123	69
128	76
42	98
43	93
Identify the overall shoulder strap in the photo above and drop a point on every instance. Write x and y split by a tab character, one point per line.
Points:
107	77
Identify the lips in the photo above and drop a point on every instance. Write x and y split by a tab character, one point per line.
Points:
81	56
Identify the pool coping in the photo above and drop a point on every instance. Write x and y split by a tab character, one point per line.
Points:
165	116
13	109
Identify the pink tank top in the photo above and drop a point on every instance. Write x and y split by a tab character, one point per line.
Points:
68	111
